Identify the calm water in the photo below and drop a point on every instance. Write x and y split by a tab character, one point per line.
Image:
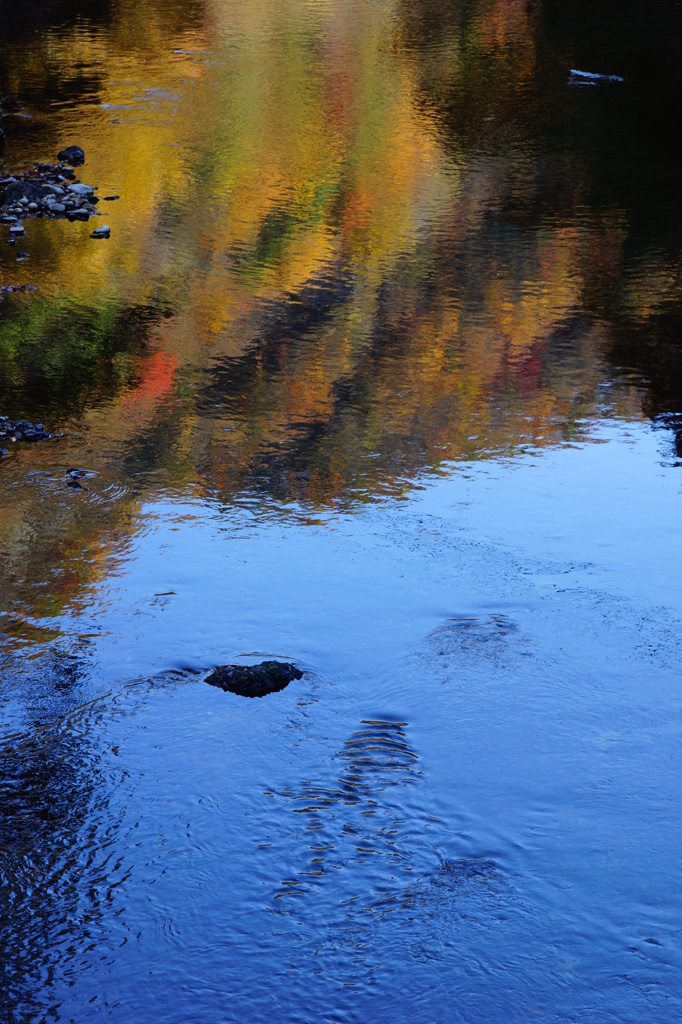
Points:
379	372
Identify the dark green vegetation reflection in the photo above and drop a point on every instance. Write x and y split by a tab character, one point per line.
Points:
354	242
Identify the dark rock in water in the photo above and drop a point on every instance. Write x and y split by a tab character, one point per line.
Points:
254	680
73	155
78	215
10	104
109	199
22	430
23	190
103	232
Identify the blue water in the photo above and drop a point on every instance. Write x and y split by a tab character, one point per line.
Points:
467	809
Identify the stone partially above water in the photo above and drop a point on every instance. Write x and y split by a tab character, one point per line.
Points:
22	430
79	189
254	680
46	190
73	155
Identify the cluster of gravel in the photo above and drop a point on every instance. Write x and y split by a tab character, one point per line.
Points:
48	190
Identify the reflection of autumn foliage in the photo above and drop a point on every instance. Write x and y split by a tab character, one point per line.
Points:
360	282
154	385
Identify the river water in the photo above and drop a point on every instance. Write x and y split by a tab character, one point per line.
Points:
379	372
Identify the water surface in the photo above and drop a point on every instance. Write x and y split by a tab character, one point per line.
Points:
378	372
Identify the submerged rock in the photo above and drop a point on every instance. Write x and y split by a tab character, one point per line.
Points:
254	680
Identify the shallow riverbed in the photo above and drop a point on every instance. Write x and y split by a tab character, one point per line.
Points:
377	373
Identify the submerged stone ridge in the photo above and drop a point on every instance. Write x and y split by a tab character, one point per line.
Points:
254	680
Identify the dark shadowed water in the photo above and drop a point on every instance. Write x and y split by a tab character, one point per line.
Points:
380	373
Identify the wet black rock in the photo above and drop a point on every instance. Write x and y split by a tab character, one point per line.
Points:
22	430
254	680
73	155
18	190
103	232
